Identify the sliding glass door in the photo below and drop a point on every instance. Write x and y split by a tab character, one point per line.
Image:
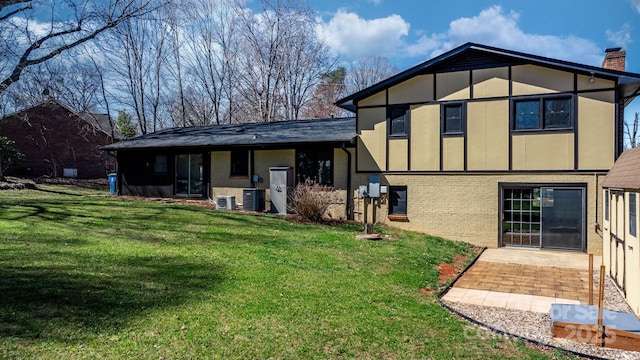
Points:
189	174
562	218
543	217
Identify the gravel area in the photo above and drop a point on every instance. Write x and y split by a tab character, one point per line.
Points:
537	326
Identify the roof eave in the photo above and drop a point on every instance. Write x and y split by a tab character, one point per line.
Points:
349	102
336	143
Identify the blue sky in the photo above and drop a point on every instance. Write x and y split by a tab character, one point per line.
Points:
408	32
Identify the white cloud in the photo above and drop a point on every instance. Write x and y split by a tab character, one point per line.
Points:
621	37
496	28
375	2
636	5
352	36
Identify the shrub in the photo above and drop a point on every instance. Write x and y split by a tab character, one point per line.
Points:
310	201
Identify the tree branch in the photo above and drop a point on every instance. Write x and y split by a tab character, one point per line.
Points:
127	12
18	10
7	3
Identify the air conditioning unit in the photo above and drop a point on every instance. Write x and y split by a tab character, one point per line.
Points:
253	199
225	202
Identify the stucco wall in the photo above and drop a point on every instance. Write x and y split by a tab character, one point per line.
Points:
488	143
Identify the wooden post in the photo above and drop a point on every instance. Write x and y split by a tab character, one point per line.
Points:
601	336
374	203
590	279
366	215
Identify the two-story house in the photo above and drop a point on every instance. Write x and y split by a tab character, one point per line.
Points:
481	144
494	147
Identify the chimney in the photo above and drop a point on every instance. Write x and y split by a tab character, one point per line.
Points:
614	59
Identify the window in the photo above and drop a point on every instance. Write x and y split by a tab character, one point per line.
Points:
398	200
240	163
453	118
399	120
557	113
632	214
606	205
315	165
527	115
542	113
160	165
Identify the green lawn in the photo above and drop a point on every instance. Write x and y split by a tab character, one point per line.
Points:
85	276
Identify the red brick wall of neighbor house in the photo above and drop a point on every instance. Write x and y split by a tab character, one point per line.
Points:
53	138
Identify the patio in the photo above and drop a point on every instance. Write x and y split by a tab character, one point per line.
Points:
524	279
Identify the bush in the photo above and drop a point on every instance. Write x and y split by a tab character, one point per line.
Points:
310	201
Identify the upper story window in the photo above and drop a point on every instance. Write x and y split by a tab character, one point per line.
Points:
160	166
453	119
315	165
240	163
398	117
542	113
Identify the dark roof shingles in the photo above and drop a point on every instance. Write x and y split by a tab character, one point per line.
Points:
250	134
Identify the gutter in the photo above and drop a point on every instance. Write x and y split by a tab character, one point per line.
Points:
348	211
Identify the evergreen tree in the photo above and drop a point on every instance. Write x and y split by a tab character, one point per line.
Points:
125	125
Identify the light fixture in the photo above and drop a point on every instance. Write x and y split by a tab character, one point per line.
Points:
593	79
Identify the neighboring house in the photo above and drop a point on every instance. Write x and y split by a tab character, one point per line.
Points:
494	147
621	248
59	142
211	161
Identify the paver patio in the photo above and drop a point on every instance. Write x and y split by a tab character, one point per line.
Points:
529	280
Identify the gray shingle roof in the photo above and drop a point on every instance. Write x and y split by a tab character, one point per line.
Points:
252	134
102	122
625	173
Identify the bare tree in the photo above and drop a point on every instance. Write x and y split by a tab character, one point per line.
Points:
631	131
177	108
74	85
139	64
213	60
100	74
27	39
281	60
368	71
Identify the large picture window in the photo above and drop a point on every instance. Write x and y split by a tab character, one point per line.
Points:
315	165
398	120
239	163
542	113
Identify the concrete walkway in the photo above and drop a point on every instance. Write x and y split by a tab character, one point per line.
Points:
525	279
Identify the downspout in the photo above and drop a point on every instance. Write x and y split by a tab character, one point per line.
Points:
209	168
348	213
596	224
252	168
